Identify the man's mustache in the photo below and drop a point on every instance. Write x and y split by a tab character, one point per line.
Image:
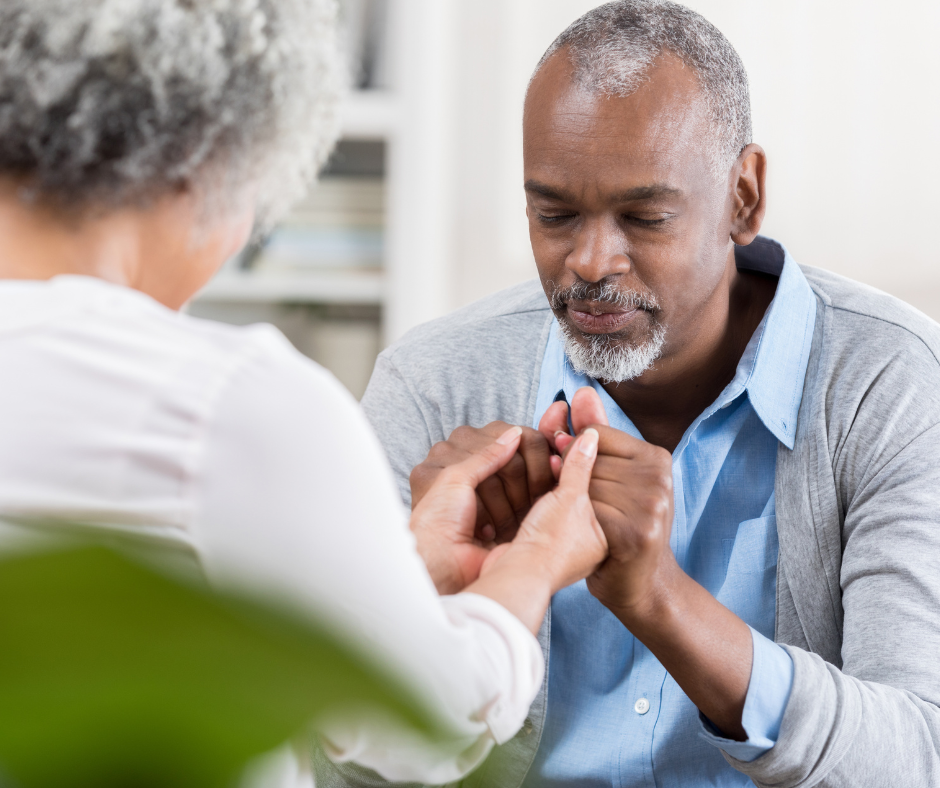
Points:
604	293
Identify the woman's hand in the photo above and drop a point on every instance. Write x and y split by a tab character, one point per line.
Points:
559	543
444	520
562	526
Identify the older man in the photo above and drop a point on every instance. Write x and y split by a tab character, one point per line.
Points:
769	478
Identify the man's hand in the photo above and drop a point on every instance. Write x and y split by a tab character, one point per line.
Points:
444	520
631	489
503	499
632	494
705	647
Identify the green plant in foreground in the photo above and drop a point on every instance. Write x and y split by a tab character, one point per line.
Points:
113	675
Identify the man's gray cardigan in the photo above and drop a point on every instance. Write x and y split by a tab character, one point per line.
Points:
858	519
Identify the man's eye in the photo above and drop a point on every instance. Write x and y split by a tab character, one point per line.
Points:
553	218
645	222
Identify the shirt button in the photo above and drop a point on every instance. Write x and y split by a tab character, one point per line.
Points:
641	706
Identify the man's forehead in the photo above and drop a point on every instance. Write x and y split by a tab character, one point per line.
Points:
664	121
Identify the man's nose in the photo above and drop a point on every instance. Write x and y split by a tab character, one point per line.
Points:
600	250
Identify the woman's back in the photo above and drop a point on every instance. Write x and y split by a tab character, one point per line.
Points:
107	401
120	413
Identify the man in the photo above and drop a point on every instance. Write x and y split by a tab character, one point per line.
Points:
769	469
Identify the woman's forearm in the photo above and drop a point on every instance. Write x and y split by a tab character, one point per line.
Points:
519	582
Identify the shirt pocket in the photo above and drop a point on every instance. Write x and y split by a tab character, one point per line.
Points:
754	549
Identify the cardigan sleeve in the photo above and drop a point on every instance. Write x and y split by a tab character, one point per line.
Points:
875	721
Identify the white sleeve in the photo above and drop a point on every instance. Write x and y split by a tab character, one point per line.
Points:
295	499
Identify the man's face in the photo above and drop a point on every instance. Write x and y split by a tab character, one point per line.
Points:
629	226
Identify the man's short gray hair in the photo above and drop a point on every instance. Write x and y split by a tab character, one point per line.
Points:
112	102
613	46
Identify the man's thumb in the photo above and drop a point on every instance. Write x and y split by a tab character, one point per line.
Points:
587	409
579	462
484	463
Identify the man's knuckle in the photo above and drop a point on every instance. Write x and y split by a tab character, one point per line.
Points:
643	538
495	428
514	470
653	505
533	439
420	472
462	434
656	456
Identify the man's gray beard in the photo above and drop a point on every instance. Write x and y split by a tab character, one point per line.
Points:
600	357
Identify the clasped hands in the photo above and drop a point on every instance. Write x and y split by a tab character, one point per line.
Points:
628	489
538	503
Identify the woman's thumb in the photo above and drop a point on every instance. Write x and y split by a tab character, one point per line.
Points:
579	462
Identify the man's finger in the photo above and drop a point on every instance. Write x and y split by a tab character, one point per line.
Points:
587	409
554	420
576	472
487	461
515	480
616	443
502	514
611	443
536	452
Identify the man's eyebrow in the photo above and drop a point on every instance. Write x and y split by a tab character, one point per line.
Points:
543	190
651	192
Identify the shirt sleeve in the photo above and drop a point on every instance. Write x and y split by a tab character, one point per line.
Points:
767	695
296	501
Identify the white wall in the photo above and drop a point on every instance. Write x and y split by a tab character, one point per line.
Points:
845	97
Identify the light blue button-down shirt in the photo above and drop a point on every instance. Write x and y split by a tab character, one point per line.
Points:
615	717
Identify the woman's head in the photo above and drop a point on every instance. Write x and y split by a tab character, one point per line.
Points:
106	104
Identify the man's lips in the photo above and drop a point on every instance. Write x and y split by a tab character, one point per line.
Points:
600	318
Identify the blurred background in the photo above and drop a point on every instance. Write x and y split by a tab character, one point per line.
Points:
421	209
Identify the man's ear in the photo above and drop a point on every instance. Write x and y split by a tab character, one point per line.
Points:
749	199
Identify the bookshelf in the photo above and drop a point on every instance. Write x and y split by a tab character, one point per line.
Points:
328	287
376	262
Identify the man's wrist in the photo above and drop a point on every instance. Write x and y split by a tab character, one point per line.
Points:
657	603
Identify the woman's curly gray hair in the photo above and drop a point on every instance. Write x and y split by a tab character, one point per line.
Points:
110	102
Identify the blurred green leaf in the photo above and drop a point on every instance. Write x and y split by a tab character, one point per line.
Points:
112	674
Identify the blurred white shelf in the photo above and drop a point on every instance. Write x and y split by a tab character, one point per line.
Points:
369	115
315	287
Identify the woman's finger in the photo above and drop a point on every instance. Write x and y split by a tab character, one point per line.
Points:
562	441
579	462
555	463
484	463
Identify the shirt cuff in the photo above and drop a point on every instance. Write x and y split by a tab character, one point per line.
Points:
767	695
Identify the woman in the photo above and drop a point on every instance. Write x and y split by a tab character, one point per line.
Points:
140	141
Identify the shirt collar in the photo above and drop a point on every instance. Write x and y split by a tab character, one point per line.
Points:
772	368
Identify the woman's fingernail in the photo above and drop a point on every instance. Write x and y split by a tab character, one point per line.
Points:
560	432
588	444
509	435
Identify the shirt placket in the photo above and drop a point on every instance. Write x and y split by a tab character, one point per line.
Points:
645	703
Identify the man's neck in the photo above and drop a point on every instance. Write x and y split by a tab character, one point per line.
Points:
665	401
